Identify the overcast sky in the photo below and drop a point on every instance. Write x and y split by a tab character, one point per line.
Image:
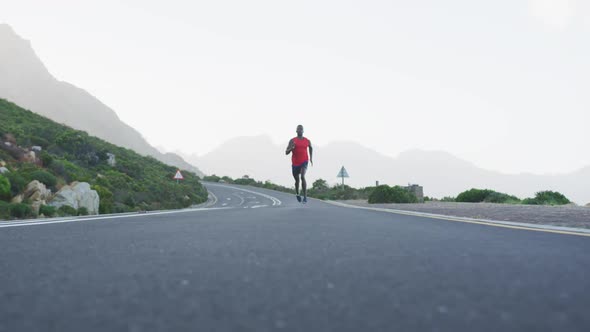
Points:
504	84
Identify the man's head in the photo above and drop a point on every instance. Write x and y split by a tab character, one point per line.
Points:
299	130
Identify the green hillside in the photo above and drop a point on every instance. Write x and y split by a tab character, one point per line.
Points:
133	183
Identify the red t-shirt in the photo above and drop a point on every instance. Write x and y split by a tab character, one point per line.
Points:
300	152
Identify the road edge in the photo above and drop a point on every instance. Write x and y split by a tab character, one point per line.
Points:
486	222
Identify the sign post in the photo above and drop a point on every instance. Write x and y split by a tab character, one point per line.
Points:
178	176
343	174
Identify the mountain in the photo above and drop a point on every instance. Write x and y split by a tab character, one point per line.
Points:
25	80
441	173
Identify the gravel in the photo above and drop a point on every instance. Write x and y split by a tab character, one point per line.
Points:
566	215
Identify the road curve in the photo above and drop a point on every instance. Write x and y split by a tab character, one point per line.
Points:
257	260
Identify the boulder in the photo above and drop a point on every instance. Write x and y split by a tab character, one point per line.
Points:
29	157
87	197
37	191
17	199
3	170
77	195
588	205
38	194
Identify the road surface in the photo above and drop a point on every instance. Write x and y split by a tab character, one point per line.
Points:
256	260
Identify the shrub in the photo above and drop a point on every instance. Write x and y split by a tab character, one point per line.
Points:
387	194
4	188
473	195
17	182
44	177
83	211
547	198
46	159
246	181
20	210
47	210
106	199
4	210
211	178
496	197
67	211
320	185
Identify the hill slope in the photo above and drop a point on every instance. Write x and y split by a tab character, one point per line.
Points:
135	182
25	80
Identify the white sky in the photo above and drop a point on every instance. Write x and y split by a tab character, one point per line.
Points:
504	84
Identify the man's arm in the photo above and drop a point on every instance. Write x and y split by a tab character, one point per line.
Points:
310	153
290	147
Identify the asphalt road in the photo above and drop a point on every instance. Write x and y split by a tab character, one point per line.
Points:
257	260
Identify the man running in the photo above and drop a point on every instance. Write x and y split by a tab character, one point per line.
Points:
299	159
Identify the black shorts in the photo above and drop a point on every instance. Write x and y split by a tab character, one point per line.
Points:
297	169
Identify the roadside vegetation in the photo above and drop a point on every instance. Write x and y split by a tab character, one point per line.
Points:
33	147
491	196
397	194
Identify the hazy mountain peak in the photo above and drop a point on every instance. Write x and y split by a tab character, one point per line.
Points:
25	80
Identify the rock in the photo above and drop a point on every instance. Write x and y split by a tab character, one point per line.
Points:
3	170
588	205
36	191
87	197
112	161
77	195
17	199
30	157
36	148
65	196
36	205
38	194
2	163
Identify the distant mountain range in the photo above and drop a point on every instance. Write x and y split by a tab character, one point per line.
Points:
441	173
25	80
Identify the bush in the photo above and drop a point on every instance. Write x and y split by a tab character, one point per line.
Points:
106	199
320	185
496	197
211	178
44	177
17	182
20	210
4	189
473	195
83	211
46	159
4	210
47	210
387	194
547	198
67	211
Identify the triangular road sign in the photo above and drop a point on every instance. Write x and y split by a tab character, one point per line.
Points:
178	176
343	173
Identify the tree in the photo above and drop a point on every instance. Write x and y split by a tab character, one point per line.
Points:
320	185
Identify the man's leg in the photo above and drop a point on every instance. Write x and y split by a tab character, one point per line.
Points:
304	183
296	176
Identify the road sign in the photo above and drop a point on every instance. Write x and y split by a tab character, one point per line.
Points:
178	176
343	173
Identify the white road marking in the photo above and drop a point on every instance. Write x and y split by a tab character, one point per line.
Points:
275	201
258	206
113	216
240	197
